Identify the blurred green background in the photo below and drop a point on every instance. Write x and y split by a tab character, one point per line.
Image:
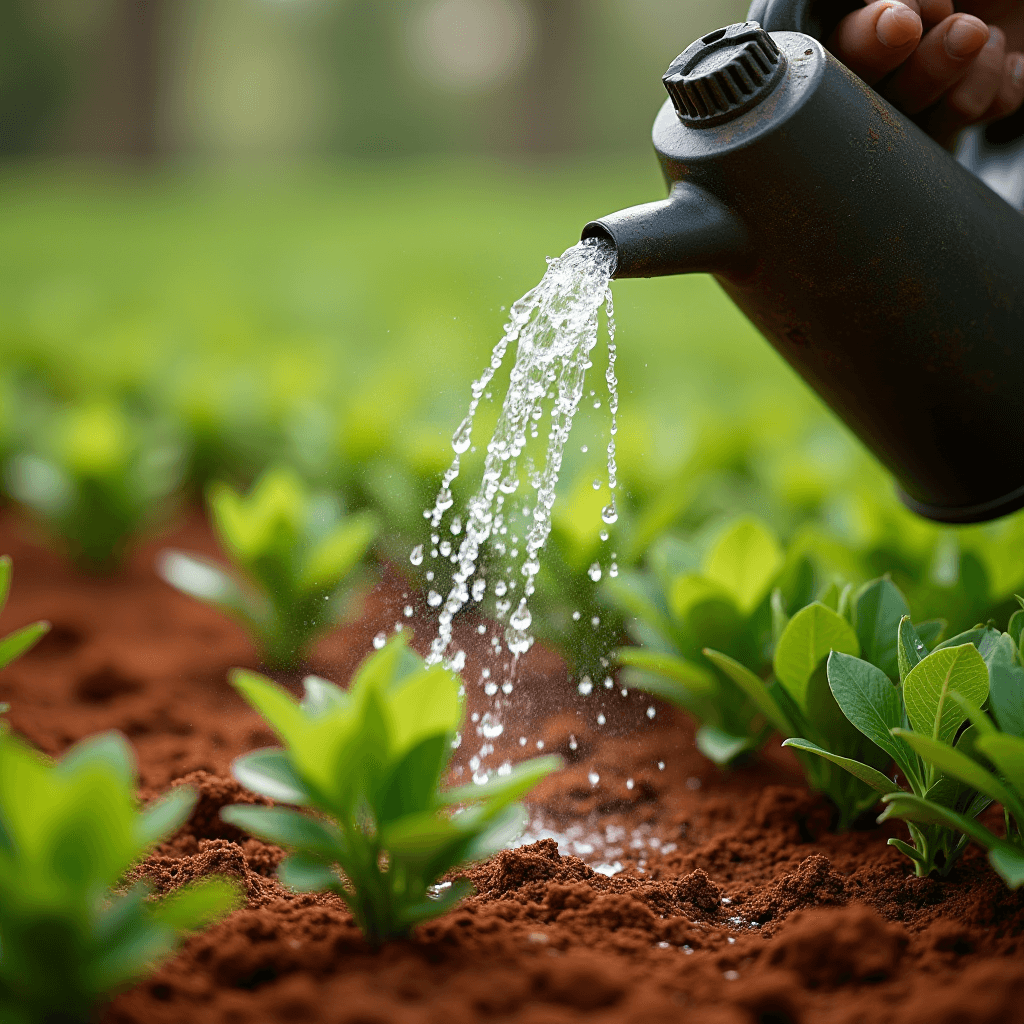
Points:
244	232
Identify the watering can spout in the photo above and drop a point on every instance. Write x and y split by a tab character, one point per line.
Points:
690	232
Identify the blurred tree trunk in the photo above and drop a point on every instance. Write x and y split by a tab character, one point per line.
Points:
547	114
119	111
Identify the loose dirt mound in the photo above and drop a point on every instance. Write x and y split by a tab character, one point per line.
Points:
735	905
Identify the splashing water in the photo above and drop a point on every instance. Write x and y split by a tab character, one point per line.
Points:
555	326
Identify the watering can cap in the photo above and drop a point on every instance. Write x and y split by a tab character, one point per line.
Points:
724	74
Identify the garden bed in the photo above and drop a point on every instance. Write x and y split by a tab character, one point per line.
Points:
734	903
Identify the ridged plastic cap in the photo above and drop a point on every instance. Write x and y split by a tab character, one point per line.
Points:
724	74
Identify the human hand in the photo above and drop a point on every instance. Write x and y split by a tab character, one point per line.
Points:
947	69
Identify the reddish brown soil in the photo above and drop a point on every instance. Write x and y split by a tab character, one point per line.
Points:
741	907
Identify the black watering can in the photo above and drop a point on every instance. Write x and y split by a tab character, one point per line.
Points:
888	275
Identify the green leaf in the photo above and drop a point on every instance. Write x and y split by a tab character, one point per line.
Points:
910	648
304	873
501	790
1015	627
930	630
745	562
1006	752
879	608
756	689
501	832
872	705
978	718
273	702
287	828
323	697
1008	863
429	704
165	816
1006	685
108	750
906	849
927	687
17	643
871	776
980	636
780	616
913	808
811	634
721	747
692	678
201	578
953	763
198	904
636	596
6	571
334	557
269	772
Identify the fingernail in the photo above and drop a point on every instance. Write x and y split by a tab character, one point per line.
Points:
965	36
897	25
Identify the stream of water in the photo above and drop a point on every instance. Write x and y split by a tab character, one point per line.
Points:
555	328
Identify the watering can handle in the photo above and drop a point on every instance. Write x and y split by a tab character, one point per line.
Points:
812	17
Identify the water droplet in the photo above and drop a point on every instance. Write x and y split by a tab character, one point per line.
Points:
573	744
629	783
463	436
613	569
540	744
479	589
596	621
434	599
407	611
416	555
490	728
594	572
596	485
583	448
585	686
491	689
651	712
380	640
609	514
445	548
575	616
601	719
594	778
661	766
500	588
521	617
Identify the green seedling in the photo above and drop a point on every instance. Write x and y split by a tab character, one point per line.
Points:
69	830
987	759
17	643
367	763
798	697
917	723
292	551
97	482
678	609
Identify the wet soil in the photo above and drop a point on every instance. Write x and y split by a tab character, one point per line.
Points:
735	903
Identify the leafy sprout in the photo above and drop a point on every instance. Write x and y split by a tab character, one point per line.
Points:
96	482
17	643
987	759
678	609
69	830
368	763
801	701
292	551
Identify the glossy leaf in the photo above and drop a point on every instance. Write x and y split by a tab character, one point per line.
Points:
721	747
879	609
1006	752
1006	685
868	775
927	687
270	773
166	815
910	648
811	634
872	705
745	562
756	689
17	643
693	678
284	827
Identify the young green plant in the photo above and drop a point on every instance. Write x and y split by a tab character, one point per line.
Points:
368	763
677	609
17	643
919	713
990	762
96	481
69	830
798	698
292	551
